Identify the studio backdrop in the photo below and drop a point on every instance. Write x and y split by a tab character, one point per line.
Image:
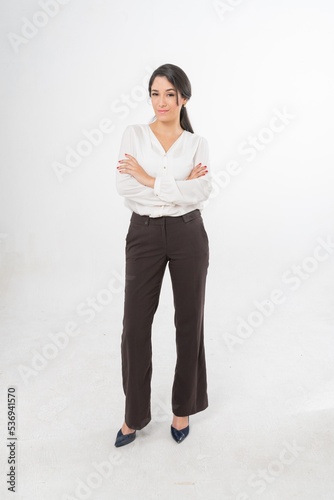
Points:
74	75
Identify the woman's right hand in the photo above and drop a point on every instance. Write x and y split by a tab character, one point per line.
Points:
197	172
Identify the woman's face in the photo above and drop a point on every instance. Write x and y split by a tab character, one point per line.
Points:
164	100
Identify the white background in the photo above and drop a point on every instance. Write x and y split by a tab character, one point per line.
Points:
62	242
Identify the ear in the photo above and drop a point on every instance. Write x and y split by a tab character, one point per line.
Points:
184	102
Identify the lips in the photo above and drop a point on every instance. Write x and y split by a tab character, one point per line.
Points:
162	111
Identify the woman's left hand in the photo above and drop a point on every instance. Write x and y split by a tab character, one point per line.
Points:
131	166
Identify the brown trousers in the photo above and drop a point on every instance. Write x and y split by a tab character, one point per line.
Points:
151	243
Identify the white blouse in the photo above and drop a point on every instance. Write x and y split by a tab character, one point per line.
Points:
172	194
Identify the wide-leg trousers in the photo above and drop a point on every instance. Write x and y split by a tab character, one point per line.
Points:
151	244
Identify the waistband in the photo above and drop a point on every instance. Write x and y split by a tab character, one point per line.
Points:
166	219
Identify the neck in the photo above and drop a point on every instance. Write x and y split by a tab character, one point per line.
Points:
168	128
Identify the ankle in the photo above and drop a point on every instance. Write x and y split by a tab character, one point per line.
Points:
180	423
126	429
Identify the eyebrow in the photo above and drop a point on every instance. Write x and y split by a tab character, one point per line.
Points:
154	90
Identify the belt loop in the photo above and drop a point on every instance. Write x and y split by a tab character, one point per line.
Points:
147	220
194	214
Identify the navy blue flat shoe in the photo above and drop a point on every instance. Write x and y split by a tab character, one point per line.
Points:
123	439
180	435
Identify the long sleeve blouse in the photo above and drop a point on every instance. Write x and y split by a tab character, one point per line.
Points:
172	194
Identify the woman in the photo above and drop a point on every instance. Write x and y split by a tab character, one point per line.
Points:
163	176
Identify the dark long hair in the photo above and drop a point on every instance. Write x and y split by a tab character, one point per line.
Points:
177	77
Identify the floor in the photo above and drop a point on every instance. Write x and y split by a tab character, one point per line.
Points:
268	431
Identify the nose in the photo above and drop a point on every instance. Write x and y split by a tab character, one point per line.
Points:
161	102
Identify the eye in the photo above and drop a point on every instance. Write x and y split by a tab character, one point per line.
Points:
171	95
154	94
